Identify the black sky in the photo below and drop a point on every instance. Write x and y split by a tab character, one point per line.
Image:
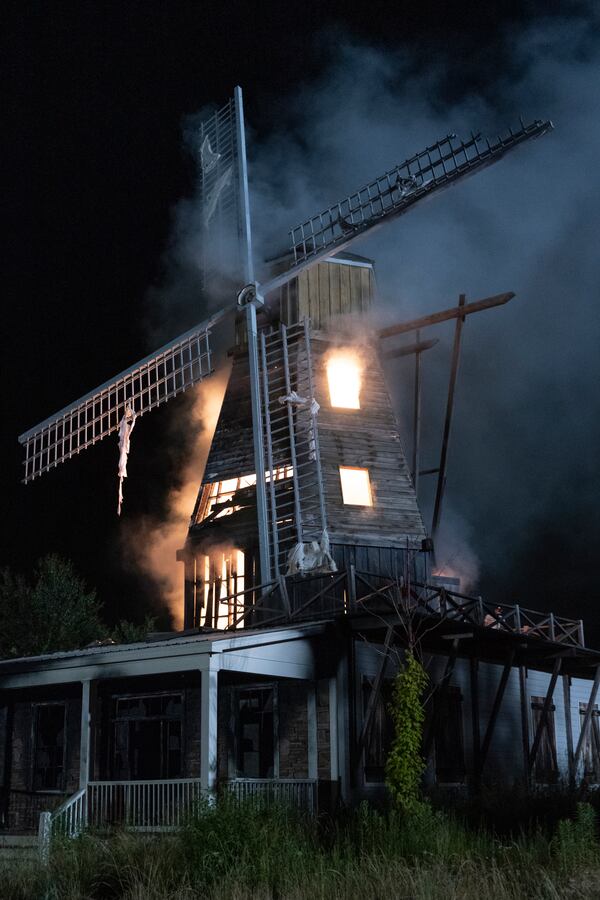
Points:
94	165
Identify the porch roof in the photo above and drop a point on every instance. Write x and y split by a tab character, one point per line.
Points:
281	651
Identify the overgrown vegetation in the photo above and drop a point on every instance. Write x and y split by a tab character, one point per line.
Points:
405	763
243	851
55	610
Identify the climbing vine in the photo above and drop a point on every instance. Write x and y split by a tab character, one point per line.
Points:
405	764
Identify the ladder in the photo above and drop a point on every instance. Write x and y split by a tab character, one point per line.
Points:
295	498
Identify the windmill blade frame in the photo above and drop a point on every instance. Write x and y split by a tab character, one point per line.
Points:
169	371
394	193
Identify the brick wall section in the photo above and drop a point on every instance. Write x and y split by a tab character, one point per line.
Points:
191	728
323	757
293	730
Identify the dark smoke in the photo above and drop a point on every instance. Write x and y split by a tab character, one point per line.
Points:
523	480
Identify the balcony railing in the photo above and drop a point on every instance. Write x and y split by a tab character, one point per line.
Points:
295	599
300	793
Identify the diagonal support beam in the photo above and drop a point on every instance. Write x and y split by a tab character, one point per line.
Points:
489	731
365	733
586	721
537	739
441	691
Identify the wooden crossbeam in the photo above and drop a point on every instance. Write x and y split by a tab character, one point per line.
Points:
455	312
409	349
491	725
365	733
586	720
537	739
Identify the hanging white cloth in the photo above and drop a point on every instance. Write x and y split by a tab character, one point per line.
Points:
212	198
294	398
126	426
208	157
313	557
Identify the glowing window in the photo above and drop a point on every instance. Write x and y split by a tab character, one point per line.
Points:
343	376
217	497
356	486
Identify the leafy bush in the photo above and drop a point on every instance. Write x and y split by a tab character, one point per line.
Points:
405	763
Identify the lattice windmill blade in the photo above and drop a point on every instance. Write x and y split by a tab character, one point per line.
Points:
152	381
394	193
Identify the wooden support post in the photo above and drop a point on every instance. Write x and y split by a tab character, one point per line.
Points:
566	680
365	733
537	738
85	737
8	758
489	731
312	736
441	690
475	725
524	722
586	722
456	312
441	483
333	731
343	722
208	728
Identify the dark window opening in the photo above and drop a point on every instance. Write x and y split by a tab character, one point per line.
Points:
449	745
591	745
382	731
546	764
49	746
255	737
147	738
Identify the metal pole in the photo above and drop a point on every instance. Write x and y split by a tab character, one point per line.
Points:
439	494
417	419
246	227
259	450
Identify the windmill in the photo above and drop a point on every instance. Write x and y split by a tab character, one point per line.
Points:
278	371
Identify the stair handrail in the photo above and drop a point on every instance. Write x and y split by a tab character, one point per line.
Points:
71	815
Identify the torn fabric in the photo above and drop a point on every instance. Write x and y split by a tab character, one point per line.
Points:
295	399
313	557
208	157
212	198
126	426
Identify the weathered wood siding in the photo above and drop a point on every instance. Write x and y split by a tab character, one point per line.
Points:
367	438
328	290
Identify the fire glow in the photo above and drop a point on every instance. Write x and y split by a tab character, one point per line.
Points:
344	372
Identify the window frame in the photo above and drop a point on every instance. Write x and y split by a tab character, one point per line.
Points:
115	719
35	707
369	485
591	747
544	775
234	771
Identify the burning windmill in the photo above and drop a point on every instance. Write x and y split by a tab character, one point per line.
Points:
306	472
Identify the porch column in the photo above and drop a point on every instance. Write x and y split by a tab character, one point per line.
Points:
208	727
342	712
333	730
313	758
85	739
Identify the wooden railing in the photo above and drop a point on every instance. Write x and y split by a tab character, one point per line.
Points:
300	793
158	805
296	599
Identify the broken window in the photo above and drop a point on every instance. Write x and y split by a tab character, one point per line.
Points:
382	730
255	732
147	737
219	588
546	765
449	745
591	745
218	498
49	723
356	486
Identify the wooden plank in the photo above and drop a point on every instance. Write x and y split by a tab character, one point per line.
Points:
365	289
475	726
324	295
489	732
537	738
566	680
313	296
345	301
586	720
524	721
334	288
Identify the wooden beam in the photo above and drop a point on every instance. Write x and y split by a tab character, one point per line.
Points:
440	691
537	738
417	421
566	680
408	350
489	731
475	724
586	721
441	483
524	722
374	695
445	315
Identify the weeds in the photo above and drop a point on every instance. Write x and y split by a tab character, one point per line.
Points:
251	852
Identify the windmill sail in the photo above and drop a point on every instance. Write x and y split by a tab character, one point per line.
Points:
394	193
174	368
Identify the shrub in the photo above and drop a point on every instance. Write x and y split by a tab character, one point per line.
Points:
405	764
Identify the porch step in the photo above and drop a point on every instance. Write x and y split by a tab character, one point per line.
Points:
18	847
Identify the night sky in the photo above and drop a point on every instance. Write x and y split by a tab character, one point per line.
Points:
97	97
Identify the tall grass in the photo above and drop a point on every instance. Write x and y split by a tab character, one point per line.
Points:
248	852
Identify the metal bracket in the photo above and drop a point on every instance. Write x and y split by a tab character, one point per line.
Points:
250	294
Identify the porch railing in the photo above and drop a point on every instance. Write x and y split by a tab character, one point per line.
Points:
142	805
300	793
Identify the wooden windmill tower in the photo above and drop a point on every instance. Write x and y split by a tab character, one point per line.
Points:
306	473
